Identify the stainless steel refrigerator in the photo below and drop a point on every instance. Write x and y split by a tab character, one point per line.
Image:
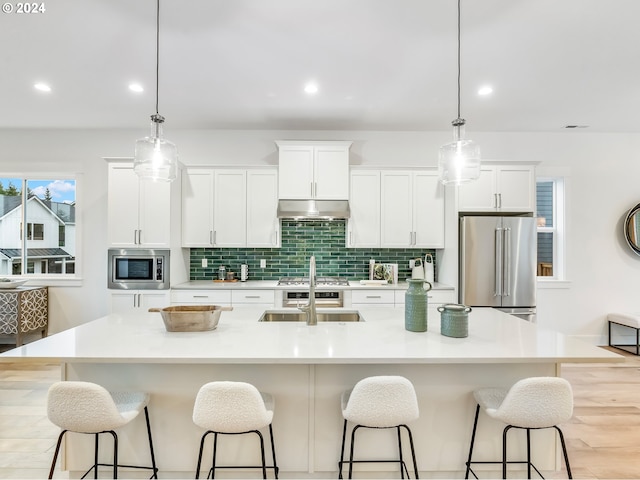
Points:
498	263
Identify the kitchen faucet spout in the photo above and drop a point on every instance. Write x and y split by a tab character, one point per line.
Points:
310	308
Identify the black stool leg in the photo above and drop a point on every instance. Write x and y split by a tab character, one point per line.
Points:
344	435
564	451
273	451
200	453
55	455
473	439
115	454
402	466
95	456
504	450
353	441
413	452
213	459
153	457
528	453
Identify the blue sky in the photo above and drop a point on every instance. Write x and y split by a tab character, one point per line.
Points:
61	190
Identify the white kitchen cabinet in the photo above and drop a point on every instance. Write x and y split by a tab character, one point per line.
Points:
377	297
230	208
363	226
197	208
201	297
263	225
412	209
123	301
240	297
318	170
434	297
502	188
137	210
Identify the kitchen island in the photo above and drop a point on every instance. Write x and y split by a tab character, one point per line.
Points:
306	369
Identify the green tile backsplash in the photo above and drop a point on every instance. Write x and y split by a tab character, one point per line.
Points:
300	240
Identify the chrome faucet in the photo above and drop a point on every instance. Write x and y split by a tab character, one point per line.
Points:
310	308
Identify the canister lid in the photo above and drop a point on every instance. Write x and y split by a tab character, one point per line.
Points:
454	307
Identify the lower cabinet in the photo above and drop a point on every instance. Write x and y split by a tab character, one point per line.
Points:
382	298
434	297
122	301
201	297
265	298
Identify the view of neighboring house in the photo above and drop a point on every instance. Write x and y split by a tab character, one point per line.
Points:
50	236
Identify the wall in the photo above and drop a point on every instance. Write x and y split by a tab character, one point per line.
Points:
602	172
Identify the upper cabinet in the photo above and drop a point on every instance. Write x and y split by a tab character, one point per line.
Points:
412	209
137	210
396	209
501	188
229	208
313	170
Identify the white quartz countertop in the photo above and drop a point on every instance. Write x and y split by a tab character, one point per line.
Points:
273	284
494	337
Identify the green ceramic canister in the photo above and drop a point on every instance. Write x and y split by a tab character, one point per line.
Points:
415	305
454	320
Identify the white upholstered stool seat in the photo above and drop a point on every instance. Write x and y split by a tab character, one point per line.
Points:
531	403
88	408
385	401
232	408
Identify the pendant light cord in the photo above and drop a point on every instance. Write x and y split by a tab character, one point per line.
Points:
158	55
458	58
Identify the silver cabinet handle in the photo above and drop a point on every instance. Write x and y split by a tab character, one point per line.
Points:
315	189
495	200
499	200
214	237
211	237
200	296
252	296
311	188
373	296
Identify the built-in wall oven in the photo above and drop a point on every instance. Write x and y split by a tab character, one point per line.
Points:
326	295
138	269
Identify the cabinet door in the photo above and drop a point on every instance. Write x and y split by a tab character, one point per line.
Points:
197	208
516	188
331	173
428	210
153	299
263	226
396	209
123	205
123	302
295	175
154	215
479	195
230	208
363	228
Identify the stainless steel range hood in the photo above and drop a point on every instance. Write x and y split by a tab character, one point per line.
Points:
313	209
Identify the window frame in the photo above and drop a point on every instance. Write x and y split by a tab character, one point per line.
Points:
558	230
52	279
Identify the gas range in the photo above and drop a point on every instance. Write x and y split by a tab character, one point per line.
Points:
320	281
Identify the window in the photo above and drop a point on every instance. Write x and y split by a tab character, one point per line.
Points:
550	219
46	245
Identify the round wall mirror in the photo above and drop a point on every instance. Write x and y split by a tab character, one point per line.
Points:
632	229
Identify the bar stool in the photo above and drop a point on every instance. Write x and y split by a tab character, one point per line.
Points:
85	407
380	402
531	404
233	408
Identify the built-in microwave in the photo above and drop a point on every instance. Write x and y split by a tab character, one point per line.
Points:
138	269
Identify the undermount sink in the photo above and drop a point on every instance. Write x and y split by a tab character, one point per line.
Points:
297	316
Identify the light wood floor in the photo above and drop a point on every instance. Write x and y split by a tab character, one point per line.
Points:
603	437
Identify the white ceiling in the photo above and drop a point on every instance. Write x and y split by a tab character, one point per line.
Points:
379	64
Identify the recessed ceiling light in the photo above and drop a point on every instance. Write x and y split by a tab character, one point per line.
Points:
311	88
576	126
43	87
485	90
136	87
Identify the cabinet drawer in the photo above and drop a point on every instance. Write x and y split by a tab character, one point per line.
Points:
372	296
202	297
434	297
252	296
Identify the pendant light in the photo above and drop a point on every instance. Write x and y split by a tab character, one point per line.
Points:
155	157
459	161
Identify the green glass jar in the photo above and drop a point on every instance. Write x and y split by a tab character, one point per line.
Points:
415	305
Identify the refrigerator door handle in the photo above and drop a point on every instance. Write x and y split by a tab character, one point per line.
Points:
507	262
498	255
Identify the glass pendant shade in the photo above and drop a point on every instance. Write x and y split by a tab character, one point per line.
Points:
459	161
155	158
